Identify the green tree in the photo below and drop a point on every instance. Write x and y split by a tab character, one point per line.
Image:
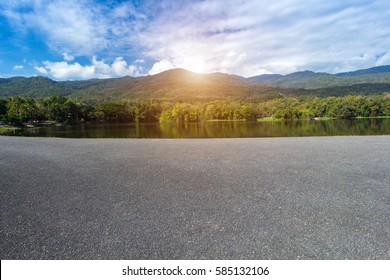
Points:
21	109
147	111
112	112
61	109
3	109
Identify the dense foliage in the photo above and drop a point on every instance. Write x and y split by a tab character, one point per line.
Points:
60	109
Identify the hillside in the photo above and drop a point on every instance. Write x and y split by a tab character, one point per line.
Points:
176	84
31	87
311	80
369	71
182	85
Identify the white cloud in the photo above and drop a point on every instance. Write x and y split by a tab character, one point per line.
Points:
97	69
234	36
120	68
161	66
269	37
68	57
126	10
18	67
232	61
384	59
63	70
80	26
41	70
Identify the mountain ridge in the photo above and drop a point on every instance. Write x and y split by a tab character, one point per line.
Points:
372	70
180	84
316	80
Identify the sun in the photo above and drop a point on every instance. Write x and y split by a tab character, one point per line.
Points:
195	64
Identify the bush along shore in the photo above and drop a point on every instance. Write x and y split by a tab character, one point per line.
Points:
19	111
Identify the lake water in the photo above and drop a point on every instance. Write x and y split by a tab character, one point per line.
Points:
214	129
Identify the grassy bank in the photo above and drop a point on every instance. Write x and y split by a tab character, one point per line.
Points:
324	119
5	128
240	120
269	120
374	117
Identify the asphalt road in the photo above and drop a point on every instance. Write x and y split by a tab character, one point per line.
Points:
266	198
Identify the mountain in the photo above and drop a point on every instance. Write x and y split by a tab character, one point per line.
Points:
32	87
176	84
180	85
311	80
369	71
264	78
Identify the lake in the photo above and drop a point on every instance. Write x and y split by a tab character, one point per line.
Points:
214	129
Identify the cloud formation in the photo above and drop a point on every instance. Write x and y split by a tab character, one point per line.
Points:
233	36
255	37
66	25
41	70
161	66
68	57
97	69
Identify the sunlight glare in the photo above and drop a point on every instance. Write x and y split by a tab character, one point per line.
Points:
195	64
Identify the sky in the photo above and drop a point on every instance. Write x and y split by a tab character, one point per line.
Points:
84	39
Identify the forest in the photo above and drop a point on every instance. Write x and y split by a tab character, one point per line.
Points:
63	110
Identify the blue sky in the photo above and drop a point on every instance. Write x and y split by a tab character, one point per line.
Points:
83	39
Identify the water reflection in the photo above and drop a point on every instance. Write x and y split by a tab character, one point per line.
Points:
215	129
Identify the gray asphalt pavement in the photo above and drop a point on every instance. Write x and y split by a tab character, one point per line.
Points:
266	198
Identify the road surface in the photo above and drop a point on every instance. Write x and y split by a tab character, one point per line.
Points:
264	198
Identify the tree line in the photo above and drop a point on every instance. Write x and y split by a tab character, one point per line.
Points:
20	110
